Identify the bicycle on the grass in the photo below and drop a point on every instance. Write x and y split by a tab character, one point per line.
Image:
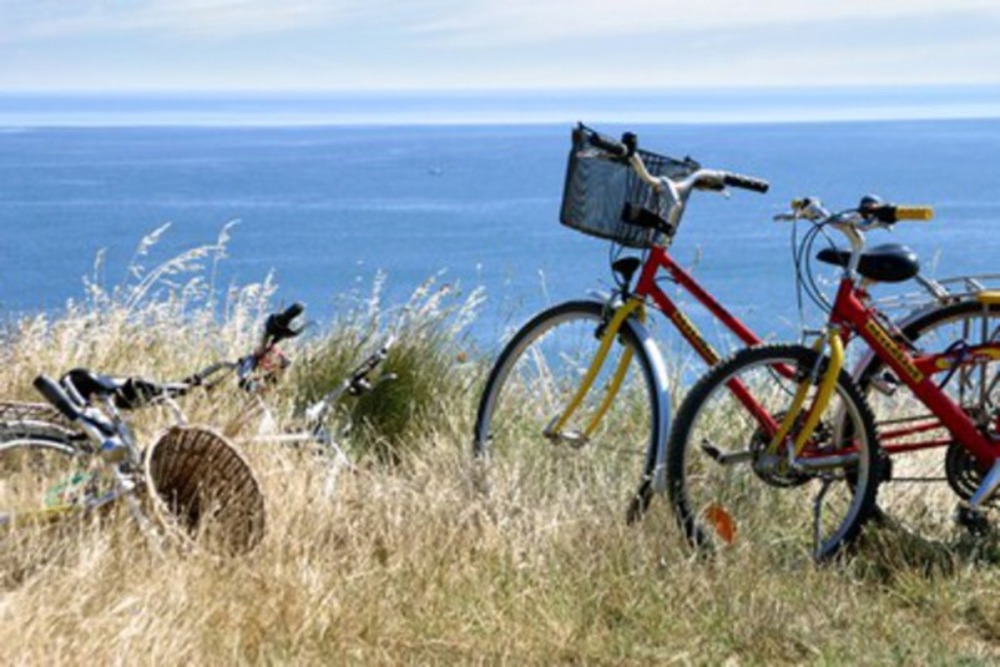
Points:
77	455
778	445
542	415
190	486
261	368
80	455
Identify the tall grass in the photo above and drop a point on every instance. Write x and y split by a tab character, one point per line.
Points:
409	563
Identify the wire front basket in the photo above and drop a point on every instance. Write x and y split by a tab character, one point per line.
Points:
604	196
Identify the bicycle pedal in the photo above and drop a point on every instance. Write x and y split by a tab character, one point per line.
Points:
711	451
972	520
725	458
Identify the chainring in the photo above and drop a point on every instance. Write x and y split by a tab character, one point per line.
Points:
782	476
964	473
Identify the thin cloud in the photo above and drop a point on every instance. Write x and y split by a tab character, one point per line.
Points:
445	22
39	19
513	21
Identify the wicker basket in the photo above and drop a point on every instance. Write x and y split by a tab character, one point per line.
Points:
203	490
604	197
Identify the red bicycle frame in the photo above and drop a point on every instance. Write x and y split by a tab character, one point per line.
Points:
850	314
647	287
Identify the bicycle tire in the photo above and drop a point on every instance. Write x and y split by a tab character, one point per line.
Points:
530	384
39	474
917	495
774	507
28	429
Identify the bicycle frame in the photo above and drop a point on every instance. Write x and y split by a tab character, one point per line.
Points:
123	487
851	313
917	373
647	289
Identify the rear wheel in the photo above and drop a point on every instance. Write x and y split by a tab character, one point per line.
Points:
598	470
928	473
41	478
727	489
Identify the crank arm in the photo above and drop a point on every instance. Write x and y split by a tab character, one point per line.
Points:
817	463
726	458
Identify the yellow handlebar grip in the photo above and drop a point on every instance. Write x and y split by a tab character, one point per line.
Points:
914	212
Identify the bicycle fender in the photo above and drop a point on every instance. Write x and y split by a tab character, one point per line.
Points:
656	451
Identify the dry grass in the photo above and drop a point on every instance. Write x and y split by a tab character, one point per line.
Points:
410	564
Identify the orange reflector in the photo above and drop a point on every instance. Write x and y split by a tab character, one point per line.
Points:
719	519
914	213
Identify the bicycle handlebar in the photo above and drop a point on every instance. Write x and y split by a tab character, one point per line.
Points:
615	148
360	373
55	395
890	213
870	212
279	325
707	179
745	182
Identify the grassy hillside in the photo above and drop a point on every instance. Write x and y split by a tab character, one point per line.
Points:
408	562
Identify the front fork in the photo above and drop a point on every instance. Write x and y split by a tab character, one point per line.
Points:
611	329
827	386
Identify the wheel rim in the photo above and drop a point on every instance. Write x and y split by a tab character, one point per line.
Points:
539	373
37	476
764	504
919	496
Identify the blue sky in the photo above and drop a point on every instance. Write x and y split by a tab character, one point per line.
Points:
218	45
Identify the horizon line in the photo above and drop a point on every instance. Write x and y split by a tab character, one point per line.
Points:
693	106
888	87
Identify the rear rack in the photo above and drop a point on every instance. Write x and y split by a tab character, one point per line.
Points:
940	292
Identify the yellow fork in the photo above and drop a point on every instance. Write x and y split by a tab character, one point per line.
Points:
611	331
826	388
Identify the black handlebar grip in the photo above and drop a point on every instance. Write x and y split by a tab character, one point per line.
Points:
746	182
290	313
878	211
608	145
54	394
279	325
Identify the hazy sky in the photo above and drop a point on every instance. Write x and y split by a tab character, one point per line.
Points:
362	44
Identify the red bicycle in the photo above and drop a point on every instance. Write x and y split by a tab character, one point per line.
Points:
778	444
577	400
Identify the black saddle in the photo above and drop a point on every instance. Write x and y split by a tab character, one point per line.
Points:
887	263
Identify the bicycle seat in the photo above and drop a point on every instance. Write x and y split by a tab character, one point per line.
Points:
886	263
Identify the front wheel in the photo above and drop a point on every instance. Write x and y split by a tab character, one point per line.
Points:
595	463
729	487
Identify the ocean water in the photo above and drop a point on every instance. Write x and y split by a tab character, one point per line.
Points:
327	207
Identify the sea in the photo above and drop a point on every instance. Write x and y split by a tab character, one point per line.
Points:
334	193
